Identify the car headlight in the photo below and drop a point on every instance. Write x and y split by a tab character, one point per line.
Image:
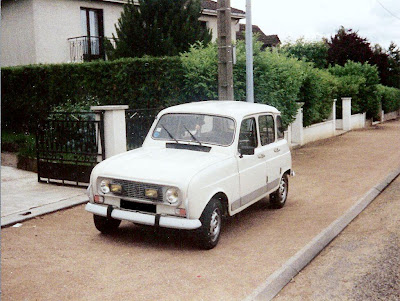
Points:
105	186
172	196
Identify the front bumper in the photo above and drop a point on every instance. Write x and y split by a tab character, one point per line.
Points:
145	219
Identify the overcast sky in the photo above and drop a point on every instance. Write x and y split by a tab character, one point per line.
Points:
314	19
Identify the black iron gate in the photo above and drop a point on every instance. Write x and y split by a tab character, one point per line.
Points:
138	123
68	146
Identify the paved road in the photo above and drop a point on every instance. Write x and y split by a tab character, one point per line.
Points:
62	257
362	263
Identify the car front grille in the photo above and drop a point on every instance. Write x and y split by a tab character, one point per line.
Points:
137	190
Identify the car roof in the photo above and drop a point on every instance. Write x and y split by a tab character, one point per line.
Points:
235	109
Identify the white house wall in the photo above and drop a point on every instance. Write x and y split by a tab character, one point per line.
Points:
17	44
54	26
37	31
212	24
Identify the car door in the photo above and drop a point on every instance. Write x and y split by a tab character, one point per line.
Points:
252	171
270	149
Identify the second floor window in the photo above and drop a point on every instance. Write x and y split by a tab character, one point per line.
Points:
92	29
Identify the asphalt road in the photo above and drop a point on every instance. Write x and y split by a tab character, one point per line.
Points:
362	263
61	256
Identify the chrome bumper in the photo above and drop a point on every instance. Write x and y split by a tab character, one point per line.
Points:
145	219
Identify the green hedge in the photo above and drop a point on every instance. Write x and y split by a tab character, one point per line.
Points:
390	98
31	92
359	81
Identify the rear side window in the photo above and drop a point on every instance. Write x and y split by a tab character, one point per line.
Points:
267	129
280	129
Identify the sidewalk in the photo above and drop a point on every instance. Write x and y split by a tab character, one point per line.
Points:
23	197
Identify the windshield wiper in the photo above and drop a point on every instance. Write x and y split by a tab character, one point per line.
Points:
193	137
169	134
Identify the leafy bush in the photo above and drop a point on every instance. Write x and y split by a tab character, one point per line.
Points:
22	143
390	98
29	93
200	72
359	81
313	52
317	92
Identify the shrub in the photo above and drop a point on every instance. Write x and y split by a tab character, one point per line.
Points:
390	98
29	93
317	92
359	81
314	52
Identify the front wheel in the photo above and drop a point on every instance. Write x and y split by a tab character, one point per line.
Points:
211	224
106	225
278	197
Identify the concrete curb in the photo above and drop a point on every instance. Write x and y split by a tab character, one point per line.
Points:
278	280
18	217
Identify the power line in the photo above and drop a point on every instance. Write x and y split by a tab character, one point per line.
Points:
393	15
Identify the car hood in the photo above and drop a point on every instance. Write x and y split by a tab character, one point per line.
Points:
160	166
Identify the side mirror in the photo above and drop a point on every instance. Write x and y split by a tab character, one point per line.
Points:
246	150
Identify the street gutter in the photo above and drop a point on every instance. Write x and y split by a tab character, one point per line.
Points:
278	280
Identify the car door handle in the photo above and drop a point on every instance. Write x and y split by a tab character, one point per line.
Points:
261	156
277	150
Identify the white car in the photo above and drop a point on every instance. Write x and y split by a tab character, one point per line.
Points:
199	162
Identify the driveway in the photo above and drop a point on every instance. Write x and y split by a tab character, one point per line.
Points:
62	256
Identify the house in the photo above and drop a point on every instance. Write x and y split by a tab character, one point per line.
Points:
267	41
61	31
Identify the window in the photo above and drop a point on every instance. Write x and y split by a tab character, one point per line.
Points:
248	133
280	129
195	127
267	129
92	32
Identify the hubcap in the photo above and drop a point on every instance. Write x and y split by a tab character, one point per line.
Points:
283	190
215	225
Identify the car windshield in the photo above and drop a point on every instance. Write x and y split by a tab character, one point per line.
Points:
196	128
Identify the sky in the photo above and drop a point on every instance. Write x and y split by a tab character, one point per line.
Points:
315	19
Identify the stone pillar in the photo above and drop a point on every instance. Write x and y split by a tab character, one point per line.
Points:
333	117
346	113
297	127
382	116
114	128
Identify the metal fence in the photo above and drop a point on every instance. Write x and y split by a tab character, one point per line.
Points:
68	146
138	123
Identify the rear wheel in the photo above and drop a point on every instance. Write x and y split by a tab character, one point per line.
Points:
278	197
211	225
106	225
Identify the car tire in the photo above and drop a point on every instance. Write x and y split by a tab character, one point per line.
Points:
211	225
105	225
278	198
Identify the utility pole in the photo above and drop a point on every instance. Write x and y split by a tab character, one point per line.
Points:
249	54
225	57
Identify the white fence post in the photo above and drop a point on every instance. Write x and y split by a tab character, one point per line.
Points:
114	128
297	127
333	117
346	113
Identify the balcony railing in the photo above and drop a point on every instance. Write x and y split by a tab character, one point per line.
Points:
88	48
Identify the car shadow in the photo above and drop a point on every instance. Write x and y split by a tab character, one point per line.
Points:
130	234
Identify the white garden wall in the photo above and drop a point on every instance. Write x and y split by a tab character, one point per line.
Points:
358	121
319	131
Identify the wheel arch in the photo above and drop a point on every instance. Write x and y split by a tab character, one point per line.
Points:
223	198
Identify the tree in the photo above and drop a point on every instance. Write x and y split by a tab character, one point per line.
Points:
158	28
348	45
394	66
314	52
381	60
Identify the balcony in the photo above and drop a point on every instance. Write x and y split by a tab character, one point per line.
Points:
88	48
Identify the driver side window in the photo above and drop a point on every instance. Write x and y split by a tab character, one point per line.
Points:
248	133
